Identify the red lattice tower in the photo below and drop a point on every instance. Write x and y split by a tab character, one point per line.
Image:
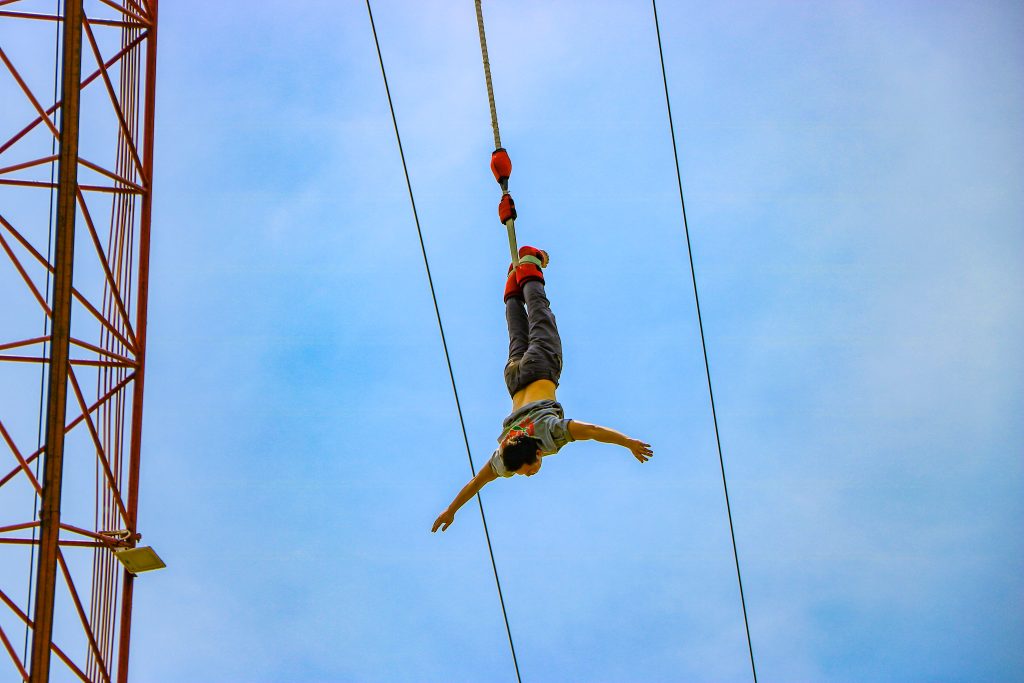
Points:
77	96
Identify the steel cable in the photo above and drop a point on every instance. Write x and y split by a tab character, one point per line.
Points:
46	319
444	343
703	343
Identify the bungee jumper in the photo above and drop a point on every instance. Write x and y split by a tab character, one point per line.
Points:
537	426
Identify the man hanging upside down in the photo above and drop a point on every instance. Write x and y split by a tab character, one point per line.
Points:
537	426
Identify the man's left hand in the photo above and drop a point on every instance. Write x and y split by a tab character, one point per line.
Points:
641	451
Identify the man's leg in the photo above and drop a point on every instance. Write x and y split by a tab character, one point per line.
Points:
518	336
543	357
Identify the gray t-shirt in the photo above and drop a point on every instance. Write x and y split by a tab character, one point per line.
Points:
542	420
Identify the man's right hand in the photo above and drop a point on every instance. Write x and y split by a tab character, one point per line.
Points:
444	520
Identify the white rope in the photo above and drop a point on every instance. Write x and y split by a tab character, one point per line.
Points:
487	74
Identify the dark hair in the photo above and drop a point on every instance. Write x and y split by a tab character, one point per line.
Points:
520	451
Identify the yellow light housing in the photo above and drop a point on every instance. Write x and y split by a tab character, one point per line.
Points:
137	560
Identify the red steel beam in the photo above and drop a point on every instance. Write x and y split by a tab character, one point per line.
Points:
84	188
24	342
13	655
28	164
100	318
22	463
145	221
73	361
74	423
28	92
115	291
86	626
64	256
95	74
53	646
125	132
24	275
54	17
32	163
124	10
63	543
98	442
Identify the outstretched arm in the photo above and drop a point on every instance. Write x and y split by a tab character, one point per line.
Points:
485	476
582	431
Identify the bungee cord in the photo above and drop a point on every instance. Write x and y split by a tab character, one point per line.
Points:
487	73
501	165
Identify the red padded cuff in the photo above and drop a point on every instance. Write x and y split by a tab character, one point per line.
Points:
512	287
527	250
527	272
506	209
501	165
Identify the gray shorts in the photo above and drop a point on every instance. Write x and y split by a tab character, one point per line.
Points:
534	347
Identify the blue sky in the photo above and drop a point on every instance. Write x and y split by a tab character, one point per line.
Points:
852	173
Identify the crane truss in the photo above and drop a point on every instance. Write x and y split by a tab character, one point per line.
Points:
85	628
